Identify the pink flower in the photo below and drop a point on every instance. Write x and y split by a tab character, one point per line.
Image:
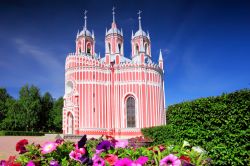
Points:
170	160
124	162
141	160
98	162
48	147
111	159
121	143
75	155
30	163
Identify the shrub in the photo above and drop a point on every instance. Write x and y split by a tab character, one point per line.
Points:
219	124
21	133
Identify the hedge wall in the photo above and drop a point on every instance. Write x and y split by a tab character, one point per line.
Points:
21	133
218	124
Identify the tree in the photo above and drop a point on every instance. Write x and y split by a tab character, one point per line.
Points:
30	103
55	116
47	105
4	96
14	116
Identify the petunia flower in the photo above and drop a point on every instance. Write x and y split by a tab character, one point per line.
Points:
31	163
82	141
185	143
141	160
75	155
98	162
121	143
3	163
198	149
54	163
124	162
103	145
185	158
49	147
59	141
170	160
20	146
111	159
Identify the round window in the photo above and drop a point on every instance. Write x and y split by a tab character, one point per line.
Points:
69	87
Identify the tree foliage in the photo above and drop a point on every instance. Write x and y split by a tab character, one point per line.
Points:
31	111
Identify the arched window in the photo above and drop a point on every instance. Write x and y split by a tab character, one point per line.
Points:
146	48
119	48
136	49
130	105
80	50
70	125
88	48
109	48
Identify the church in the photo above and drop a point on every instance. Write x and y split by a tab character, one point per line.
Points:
113	95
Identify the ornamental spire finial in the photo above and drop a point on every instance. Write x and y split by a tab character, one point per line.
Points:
160	56
139	13
85	19
113	9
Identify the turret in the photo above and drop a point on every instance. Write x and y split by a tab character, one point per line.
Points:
141	45
85	40
113	42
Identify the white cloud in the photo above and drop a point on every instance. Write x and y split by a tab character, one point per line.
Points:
49	72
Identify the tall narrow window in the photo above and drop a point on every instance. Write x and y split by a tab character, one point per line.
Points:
119	48
136	49
109	48
146	48
88	48
130	112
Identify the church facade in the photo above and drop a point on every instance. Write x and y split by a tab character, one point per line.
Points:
112	95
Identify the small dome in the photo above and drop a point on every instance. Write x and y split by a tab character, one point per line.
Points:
140	32
84	32
114	30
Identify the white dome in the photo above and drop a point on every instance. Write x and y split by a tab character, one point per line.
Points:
140	32
85	32
114	30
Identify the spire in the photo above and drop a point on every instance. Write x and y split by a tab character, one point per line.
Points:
113	9
148	36
85	19
160	56
139	13
93	35
106	31
132	35
99	56
121	32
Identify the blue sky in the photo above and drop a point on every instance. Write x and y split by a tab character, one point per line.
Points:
206	44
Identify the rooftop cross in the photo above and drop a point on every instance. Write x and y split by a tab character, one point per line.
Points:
85	18
113	9
139	13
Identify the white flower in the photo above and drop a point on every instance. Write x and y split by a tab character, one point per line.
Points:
198	149
185	143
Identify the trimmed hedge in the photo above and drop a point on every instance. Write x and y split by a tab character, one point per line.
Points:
21	133
218	124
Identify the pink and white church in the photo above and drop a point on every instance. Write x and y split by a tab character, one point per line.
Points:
113	95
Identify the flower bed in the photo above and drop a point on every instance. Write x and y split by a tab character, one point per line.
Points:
108	151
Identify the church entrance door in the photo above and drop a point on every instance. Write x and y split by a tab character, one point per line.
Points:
70	123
